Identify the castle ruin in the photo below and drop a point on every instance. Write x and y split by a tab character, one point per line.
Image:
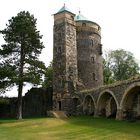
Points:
78	74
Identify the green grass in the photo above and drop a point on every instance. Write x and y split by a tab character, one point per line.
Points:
74	128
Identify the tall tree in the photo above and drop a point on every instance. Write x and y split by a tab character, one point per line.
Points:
119	65
20	54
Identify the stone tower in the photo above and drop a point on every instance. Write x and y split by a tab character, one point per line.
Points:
77	57
64	58
89	53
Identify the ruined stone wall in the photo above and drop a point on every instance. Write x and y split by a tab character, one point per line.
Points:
37	102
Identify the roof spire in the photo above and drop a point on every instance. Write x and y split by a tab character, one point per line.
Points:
64	8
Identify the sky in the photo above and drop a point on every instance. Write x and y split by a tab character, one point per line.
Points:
119	21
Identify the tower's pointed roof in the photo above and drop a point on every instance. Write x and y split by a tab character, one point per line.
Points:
64	9
80	17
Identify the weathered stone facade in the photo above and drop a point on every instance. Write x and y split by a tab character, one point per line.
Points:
78	75
89	54
65	58
77	57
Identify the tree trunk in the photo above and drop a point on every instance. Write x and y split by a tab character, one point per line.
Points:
19	111
20	86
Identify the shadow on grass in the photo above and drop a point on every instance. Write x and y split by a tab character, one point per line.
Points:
111	125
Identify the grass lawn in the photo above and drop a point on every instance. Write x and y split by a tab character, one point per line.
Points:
74	128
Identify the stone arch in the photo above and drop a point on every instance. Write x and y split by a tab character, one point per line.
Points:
89	105
130	103
107	104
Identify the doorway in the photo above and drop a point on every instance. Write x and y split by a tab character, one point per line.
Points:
59	105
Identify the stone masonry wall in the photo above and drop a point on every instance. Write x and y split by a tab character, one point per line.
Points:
89	54
64	59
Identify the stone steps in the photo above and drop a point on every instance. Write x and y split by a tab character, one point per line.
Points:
57	114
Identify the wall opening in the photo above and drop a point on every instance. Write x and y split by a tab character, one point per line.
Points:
59	105
93	76
107	106
92	59
89	106
84	24
76	105
131	104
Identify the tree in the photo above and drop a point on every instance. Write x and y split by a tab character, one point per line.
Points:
119	65
48	80
20	54
5	71
107	73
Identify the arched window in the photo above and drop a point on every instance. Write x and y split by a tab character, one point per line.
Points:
93	59
84	24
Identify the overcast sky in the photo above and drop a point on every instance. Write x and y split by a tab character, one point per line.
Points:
119	21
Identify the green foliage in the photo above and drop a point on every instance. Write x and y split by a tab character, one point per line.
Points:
19	55
6	70
48	81
119	65
5	101
107	73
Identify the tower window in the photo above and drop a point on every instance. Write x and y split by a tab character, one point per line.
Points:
59	50
93	75
99	49
92	42
84	24
92	59
72	17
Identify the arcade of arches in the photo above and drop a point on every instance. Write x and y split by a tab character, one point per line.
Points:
119	102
